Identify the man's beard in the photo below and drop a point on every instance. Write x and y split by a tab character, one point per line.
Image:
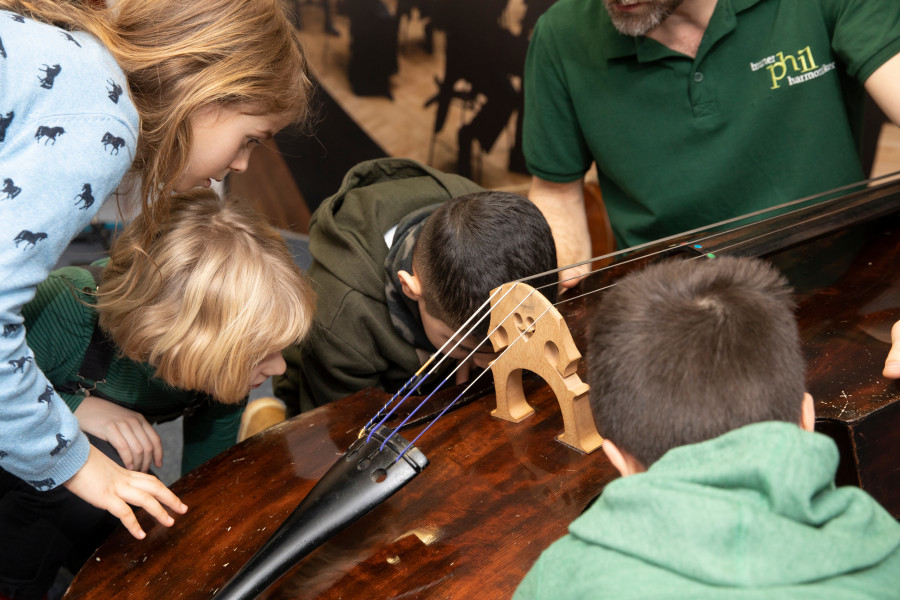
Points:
642	20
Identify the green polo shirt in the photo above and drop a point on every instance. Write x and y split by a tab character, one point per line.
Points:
767	112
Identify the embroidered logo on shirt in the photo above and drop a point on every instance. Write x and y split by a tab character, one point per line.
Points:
30	238
61	444
43	484
795	68
50	74
85	196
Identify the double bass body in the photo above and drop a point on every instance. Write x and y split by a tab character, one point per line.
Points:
497	493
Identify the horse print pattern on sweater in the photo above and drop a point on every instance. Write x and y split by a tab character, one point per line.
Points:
68	134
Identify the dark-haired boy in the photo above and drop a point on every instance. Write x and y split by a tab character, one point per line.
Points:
402	255
697	382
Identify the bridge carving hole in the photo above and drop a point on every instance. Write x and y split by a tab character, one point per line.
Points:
551	353
525	325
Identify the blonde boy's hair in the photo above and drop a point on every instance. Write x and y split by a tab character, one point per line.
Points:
212	294
180	56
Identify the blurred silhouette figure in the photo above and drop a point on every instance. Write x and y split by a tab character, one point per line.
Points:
425	9
533	10
326	9
484	54
373	47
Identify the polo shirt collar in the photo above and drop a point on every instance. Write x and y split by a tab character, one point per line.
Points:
612	43
617	45
742	5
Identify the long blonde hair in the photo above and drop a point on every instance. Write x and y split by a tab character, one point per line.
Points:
179	56
213	293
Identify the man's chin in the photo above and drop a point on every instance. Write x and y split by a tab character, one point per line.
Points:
638	19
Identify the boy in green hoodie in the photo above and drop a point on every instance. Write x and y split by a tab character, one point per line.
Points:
697	382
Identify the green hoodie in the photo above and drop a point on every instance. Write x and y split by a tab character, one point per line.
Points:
751	514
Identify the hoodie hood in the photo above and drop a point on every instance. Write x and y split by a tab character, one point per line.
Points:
374	197
755	507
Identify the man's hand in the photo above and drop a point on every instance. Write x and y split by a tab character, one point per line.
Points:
892	364
563	206
104	484
128	431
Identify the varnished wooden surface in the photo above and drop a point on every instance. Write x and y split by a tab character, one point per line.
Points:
497	493
428	541
847	284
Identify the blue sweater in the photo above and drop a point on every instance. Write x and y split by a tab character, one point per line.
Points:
68	132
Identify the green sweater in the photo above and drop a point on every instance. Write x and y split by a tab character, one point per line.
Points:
59	322
751	514
353	343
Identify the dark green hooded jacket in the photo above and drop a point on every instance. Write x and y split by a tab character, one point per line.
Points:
353	344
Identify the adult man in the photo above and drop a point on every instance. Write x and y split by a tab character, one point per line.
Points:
696	111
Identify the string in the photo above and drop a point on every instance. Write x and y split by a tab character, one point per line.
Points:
443	356
468	387
459	366
368	427
480	375
692	244
715	228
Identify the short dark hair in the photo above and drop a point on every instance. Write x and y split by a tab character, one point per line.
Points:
687	350
474	243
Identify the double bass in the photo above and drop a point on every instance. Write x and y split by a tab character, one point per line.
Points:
497	493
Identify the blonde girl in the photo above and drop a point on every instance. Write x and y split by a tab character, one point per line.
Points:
195	317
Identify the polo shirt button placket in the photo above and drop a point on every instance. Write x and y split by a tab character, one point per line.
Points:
702	96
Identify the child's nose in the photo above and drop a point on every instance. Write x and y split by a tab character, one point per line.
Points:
239	164
276	365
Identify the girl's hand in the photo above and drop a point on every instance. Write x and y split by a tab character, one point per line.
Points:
106	485
128	431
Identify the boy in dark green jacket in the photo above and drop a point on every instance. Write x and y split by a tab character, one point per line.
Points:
697	382
402	255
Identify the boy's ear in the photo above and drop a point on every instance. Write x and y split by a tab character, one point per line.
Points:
808	413
410	285
624	462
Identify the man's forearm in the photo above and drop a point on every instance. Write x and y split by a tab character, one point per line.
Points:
562	204
884	87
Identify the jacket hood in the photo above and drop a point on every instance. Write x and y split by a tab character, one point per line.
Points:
374	196
754	507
